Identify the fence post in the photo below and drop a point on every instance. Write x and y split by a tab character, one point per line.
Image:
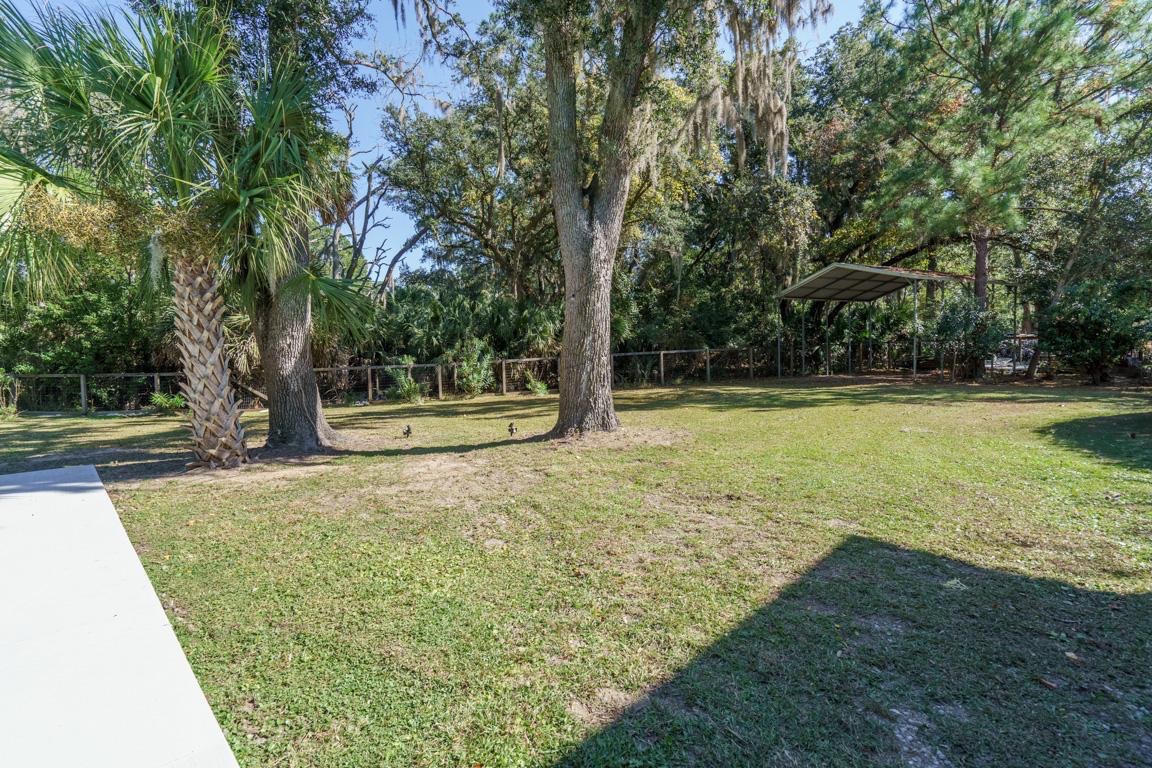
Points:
661	367
779	357
439	382
84	393
751	365
503	377
707	365
368	371
156	382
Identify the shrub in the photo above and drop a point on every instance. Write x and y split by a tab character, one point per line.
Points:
1090	331
8	393
407	388
536	386
969	335
473	368
167	403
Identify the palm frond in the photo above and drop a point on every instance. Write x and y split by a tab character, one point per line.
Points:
341	305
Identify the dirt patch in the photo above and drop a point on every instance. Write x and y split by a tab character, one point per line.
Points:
624	438
259	473
882	626
604	706
818	608
911	731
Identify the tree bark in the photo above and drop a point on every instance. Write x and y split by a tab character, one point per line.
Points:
217	434
284	335
981	237
589	220
586	402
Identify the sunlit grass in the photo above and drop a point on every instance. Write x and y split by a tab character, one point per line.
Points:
762	575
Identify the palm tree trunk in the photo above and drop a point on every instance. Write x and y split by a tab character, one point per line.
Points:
217	435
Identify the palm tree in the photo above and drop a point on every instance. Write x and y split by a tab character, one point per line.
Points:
132	132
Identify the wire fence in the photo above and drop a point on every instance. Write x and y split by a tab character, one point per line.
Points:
789	356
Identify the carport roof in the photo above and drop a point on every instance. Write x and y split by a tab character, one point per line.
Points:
859	282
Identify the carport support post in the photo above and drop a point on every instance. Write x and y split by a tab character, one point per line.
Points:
868	333
849	346
83	393
1015	328
661	367
827	343
804	343
915	325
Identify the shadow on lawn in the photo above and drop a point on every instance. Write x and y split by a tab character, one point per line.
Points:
1124	438
812	392
40	442
885	656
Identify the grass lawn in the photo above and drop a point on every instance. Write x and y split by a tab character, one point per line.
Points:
797	575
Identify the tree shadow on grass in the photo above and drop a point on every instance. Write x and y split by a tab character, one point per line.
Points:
40	442
34	442
1123	438
812	392
881	656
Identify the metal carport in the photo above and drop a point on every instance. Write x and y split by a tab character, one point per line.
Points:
862	283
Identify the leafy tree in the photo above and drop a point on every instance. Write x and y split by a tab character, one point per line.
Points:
967	332
633	45
99	324
1091	329
990	88
477	175
139	137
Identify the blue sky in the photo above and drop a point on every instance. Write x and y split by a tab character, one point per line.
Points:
387	34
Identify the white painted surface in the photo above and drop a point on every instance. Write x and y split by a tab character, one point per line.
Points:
91	674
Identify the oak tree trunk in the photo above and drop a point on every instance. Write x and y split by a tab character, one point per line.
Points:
217	435
589	216
586	403
284	335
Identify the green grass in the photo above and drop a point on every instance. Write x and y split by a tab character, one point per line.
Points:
866	575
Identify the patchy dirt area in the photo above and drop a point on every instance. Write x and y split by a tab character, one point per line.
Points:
912	734
603	706
625	438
